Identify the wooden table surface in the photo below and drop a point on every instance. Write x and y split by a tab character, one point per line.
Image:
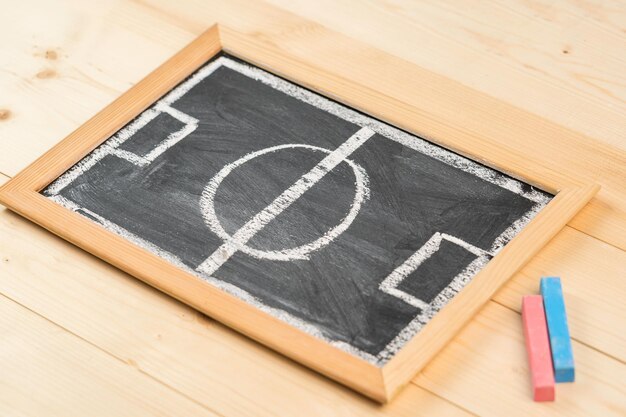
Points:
78	337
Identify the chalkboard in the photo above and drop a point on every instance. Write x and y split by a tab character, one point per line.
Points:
347	228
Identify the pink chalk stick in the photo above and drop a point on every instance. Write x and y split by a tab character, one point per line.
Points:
538	347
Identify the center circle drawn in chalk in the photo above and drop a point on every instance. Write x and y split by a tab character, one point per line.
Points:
207	208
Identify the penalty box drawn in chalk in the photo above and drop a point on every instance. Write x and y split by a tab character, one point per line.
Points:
346	243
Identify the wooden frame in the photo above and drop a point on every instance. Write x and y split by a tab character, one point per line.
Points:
21	194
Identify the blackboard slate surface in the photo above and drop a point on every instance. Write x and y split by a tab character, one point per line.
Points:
347	228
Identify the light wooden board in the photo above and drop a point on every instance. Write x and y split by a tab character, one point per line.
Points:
48	371
47	107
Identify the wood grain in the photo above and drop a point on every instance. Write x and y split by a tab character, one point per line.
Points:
88	39
48	371
489	357
220	369
537	55
593	290
61	66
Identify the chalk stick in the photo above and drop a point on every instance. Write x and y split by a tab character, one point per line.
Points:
558	331
538	348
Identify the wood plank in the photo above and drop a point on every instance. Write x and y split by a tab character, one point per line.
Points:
48	371
592	273
486	369
537	54
56	73
175	344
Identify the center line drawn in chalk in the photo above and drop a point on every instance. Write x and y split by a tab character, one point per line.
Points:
238	241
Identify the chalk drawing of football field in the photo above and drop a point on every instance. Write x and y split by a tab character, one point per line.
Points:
237	243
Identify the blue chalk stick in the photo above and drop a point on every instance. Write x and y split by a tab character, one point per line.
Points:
560	343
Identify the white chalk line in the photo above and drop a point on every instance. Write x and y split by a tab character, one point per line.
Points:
415	143
191	82
241	237
390	284
207	207
190	124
